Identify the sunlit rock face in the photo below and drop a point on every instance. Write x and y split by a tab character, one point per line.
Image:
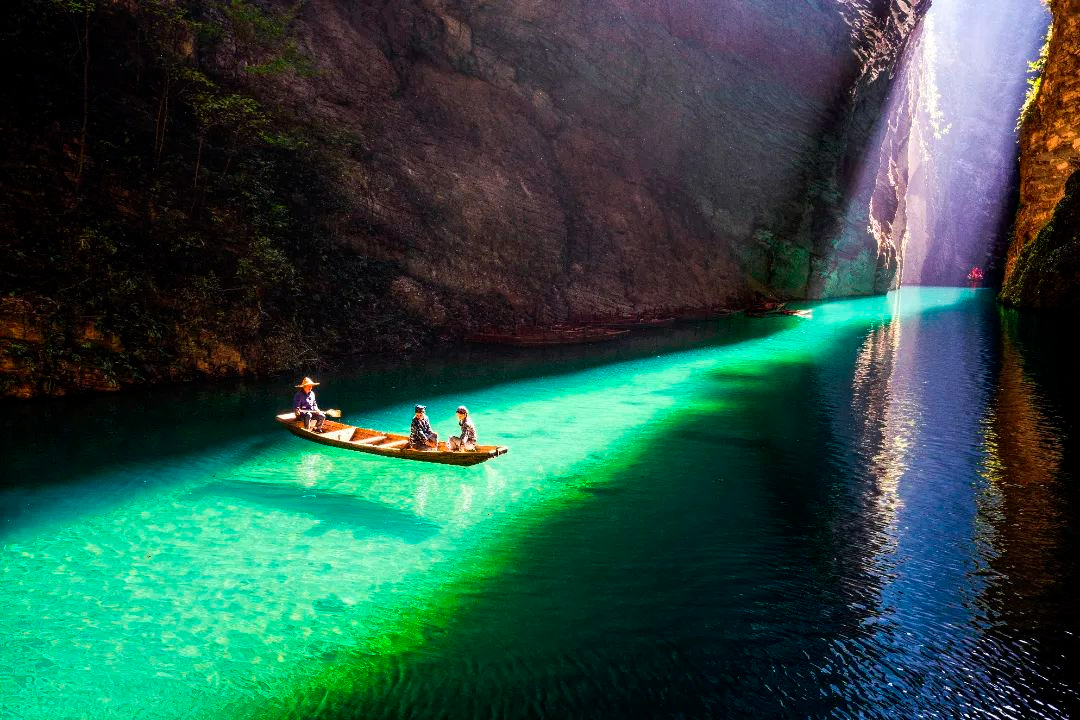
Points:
610	155
1044	254
858	213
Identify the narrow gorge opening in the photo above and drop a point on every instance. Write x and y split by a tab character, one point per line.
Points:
952	136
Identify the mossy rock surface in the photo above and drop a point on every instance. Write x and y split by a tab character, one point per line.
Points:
1048	269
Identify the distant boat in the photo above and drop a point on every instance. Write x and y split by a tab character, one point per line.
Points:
536	337
776	308
392	445
768	308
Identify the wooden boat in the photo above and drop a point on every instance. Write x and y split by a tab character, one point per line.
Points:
776	309
765	309
547	336
392	445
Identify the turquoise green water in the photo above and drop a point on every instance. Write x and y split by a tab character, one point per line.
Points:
866	512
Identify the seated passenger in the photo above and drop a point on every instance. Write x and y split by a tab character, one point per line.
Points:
421	436
467	439
305	406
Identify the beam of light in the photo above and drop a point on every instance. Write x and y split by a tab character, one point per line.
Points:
968	80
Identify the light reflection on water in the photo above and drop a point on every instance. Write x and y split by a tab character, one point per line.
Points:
857	514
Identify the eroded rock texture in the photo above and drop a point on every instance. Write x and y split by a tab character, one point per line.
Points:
251	186
1041	268
611	155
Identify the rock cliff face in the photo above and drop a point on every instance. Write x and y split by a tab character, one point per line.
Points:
611	155
1040	270
205	188
1046	274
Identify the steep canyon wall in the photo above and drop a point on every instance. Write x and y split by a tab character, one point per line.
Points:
461	163
612	156
1043	264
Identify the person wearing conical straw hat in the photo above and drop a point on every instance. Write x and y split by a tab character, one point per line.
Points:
306	407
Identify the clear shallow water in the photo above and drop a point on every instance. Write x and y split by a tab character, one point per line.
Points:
868	513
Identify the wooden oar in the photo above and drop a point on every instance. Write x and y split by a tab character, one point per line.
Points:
334	413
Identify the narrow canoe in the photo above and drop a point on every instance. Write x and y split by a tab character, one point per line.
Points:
765	309
386	444
777	310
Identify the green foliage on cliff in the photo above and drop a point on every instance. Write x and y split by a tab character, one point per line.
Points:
1047	268
158	212
1035	69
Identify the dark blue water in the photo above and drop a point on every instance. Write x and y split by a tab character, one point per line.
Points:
868	513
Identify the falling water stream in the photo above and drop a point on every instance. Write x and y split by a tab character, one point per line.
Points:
869	512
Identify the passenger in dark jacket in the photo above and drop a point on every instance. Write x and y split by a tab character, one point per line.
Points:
421	436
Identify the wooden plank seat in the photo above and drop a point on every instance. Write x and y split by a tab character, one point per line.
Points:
339	433
369	440
394	444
